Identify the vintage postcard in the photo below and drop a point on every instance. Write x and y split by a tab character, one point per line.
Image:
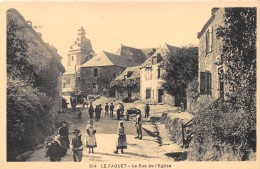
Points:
135	84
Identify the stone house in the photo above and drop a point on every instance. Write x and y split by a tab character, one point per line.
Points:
127	84
151	72
97	73
210	73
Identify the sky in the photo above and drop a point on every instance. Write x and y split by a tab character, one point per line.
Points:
110	24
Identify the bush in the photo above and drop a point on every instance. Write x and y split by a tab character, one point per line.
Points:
226	130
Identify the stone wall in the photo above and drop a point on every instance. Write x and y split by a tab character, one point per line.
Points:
173	124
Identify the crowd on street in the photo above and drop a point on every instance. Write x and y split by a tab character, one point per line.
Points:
57	148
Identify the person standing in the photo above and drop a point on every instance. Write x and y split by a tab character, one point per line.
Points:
147	110
111	110
77	146
121	141
138	125
118	111
64	133
54	150
96	112
99	111
91	138
90	110
106	109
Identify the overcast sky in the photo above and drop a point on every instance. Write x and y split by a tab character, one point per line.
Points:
107	25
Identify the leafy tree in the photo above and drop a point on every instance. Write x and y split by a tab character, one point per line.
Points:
181	69
239	46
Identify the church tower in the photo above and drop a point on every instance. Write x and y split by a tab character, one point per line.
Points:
80	51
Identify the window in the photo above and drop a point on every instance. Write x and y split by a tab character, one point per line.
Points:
68	81
95	72
148	73
209	40
205	83
72	58
159	73
148	93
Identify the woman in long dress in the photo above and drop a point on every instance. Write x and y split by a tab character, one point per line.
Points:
91	138
121	141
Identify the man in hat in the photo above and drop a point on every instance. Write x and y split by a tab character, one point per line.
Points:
77	146
64	133
106	109
146	110
90	110
54	150
111	109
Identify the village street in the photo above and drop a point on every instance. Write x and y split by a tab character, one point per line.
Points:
147	149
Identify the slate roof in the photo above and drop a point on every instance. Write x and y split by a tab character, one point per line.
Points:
161	54
136	55
108	59
132	72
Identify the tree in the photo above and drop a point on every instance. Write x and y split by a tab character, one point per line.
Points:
181	69
239	46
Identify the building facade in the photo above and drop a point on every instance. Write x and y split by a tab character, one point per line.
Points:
80	52
210	73
151	81
97	73
127	84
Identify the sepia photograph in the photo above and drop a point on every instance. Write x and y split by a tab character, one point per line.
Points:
137	84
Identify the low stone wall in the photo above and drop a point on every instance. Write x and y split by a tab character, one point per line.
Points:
173	124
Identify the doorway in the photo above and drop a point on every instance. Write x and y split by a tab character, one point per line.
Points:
160	95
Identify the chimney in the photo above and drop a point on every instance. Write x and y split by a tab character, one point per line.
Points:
213	10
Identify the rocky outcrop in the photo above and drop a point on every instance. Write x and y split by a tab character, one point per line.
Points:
33	96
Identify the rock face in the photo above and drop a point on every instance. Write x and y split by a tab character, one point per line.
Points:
173	124
32	102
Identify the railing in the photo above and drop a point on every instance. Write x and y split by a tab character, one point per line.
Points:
186	138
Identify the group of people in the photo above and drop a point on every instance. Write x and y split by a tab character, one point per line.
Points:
58	146
98	109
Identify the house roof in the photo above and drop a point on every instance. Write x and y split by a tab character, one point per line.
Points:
136	55
149	51
132	72
160	54
108	59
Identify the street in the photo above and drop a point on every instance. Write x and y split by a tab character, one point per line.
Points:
147	149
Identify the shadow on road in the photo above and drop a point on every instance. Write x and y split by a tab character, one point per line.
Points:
111	154
140	155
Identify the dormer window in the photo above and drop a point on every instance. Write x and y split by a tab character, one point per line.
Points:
154	60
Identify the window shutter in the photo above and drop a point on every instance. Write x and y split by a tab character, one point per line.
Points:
202	82
206	82
209	83
211	38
